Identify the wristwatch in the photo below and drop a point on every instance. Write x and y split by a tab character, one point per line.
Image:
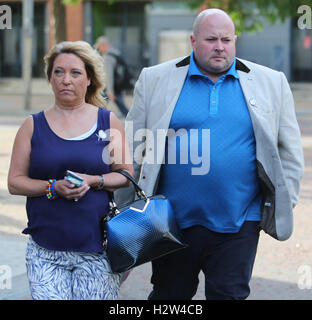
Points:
100	186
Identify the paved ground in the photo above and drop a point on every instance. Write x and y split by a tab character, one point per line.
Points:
281	268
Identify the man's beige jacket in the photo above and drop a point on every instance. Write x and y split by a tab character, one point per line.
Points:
278	143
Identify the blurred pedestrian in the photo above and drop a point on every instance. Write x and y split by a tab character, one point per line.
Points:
244	115
115	73
65	257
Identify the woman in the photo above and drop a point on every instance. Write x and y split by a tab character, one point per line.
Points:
65	258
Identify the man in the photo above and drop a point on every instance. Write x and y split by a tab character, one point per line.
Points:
245	114
110	56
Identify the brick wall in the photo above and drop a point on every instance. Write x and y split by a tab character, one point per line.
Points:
74	17
74	22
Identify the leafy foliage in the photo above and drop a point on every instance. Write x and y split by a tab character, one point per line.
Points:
248	14
74	2
78	1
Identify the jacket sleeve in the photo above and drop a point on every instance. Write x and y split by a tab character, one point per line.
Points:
134	122
289	142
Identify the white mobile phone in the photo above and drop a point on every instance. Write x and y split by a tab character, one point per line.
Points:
73	178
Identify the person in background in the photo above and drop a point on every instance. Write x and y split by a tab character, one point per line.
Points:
111	58
243	114
65	257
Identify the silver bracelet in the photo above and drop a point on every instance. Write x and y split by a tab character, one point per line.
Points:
100	186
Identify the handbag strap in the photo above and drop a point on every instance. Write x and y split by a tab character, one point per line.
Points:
138	190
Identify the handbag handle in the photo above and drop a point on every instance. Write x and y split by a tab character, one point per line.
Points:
138	190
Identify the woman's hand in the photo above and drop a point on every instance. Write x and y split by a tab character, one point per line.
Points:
69	191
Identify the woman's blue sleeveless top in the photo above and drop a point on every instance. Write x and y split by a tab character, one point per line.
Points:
62	224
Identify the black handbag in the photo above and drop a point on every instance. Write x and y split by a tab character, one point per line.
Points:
141	231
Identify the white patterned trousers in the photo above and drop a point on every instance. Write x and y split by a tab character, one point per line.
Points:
65	275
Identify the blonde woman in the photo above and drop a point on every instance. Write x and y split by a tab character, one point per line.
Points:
65	257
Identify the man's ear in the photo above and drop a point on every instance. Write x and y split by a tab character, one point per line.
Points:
192	38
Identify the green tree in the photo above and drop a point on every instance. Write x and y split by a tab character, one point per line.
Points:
59	18
248	14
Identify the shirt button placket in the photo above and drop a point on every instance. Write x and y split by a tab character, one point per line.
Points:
213	101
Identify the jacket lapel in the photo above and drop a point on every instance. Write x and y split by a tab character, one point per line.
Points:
250	91
253	101
248	86
177	75
247	83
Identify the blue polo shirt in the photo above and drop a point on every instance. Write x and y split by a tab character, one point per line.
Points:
210	172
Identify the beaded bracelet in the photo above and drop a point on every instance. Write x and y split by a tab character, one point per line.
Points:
50	191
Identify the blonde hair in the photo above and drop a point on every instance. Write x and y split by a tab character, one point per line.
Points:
93	63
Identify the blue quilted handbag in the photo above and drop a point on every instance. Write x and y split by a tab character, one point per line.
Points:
141	231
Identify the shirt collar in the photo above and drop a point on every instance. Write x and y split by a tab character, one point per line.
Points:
194	70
